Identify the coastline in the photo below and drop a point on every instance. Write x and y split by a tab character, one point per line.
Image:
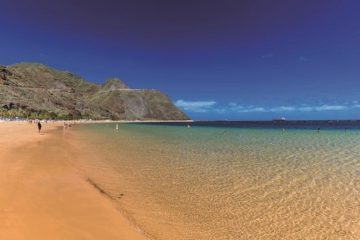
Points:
42	196
93	182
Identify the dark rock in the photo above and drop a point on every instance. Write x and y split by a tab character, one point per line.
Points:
4	73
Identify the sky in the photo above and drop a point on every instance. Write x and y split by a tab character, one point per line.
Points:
228	59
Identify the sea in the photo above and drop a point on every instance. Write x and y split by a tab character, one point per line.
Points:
222	180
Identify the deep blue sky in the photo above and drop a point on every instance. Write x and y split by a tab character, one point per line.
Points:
252	59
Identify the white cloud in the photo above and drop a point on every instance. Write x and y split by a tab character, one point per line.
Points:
254	109
213	106
322	108
282	109
235	107
220	110
233	104
306	109
195	106
330	107
300	109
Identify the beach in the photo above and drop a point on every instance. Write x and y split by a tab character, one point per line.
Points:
42	196
142	181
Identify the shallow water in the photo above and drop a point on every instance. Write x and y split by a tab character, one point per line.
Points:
228	183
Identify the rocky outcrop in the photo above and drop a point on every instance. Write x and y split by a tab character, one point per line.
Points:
4	73
37	91
113	84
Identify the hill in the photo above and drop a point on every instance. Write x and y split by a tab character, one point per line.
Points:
37	91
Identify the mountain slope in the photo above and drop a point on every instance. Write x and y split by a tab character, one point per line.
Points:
37	91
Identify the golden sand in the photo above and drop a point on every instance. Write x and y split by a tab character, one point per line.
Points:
43	197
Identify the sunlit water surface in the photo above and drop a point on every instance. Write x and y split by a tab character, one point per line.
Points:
227	183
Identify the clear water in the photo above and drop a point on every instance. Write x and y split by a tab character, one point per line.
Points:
227	183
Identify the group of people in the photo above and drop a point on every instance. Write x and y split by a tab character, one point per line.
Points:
66	125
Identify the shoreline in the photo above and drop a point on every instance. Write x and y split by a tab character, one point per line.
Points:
95	121
42	196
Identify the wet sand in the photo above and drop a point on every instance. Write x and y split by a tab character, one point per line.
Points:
42	196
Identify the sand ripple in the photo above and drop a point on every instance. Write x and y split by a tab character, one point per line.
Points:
208	183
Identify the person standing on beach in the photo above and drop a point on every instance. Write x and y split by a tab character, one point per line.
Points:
39	126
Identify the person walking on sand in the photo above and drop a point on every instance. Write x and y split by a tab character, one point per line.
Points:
39	126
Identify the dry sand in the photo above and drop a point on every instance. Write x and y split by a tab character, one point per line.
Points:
43	197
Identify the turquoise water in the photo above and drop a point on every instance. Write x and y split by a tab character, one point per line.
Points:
228	183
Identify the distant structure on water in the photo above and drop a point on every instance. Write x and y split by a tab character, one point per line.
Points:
282	119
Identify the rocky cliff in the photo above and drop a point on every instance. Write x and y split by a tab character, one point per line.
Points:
37	91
